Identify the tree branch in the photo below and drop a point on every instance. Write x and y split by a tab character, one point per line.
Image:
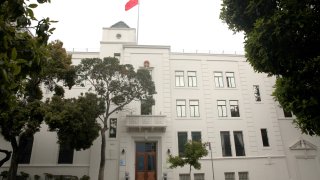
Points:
119	107
5	159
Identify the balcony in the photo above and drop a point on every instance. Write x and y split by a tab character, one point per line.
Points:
151	123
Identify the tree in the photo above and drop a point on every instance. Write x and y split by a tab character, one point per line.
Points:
194	150
20	52
117	85
21	58
74	119
23	120
282	39
6	158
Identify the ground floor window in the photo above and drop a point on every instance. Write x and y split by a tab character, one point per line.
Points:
229	176
243	175
184	176
65	154
198	176
25	149
232	176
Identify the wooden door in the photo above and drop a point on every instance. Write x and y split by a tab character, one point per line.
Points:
146	161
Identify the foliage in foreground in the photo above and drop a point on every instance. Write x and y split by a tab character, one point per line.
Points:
282	39
194	150
24	62
74	119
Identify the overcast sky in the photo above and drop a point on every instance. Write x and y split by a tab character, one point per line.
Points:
183	24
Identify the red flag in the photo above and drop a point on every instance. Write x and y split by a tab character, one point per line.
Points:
130	4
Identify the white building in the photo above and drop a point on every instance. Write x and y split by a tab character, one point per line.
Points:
217	98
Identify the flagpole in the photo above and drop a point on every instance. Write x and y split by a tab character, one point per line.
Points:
138	22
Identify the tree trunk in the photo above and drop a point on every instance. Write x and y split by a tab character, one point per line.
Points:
103	153
12	175
5	159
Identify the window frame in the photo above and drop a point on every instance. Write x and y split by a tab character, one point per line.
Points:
65	151
218	80
256	93
231	81
192	78
222	109
198	176
233	113
233	175
240	148
194	108
287	114
179	79
196	136
182	142
145	109
246	173
184	176
181	107
264	137
113	127
25	149
226	146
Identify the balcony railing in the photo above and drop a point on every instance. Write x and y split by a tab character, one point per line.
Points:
140	122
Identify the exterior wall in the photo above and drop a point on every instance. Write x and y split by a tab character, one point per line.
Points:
44	157
253	116
302	164
277	161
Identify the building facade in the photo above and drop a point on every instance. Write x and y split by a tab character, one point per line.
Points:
215	98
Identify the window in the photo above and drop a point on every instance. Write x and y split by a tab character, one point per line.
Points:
182	140
113	128
264	136
230	80
225	143
194	108
179	78
229	176
222	108
234	108
256	92
116	55
184	176
25	149
65	154
243	175
192	79
146	107
196	136
218	80
239	144
181	108
198	176
287	113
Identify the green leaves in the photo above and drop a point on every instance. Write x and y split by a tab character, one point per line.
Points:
33	5
74	120
24	118
282	39
20	52
116	83
194	150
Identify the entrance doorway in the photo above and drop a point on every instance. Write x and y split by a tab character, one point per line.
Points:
146	161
